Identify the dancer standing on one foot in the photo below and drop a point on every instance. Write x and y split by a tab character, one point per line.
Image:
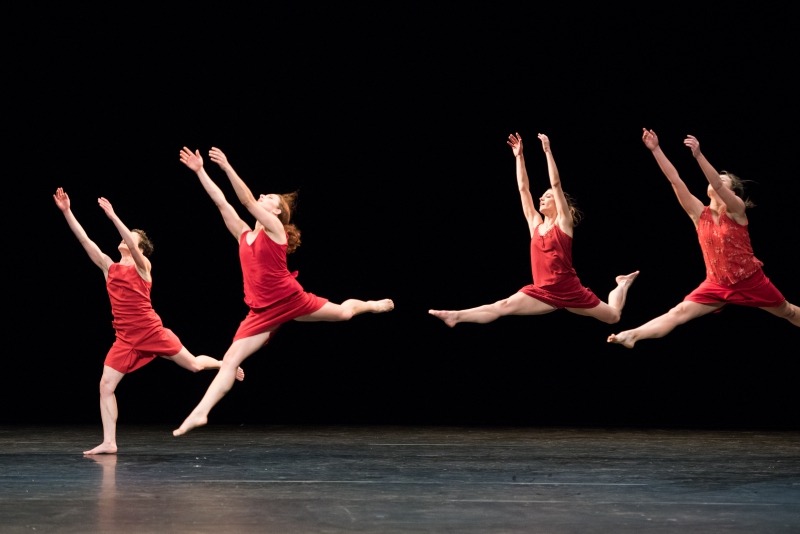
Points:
273	294
140	334
556	285
733	273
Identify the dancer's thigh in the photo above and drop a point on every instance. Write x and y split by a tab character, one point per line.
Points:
242	348
783	311
522	304
602	311
110	378
328	312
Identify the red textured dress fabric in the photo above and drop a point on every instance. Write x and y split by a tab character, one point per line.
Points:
141	336
555	281
733	273
271	291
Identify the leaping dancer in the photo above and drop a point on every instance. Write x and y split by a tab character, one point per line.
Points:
556	285
140	334
272	293
733	273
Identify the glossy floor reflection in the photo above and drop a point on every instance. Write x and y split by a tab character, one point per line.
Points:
378	479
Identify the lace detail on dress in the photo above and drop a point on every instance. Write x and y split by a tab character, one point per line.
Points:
726	249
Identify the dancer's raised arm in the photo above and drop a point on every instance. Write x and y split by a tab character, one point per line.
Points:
528	207
142	263
733	203
565	221
91	248
272	225
690	203
233	222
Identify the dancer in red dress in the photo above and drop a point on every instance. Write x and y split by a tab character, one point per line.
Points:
556	285
733	273
273	294
140	334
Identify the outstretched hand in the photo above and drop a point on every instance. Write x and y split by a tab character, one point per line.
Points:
105	205
516	144
692	142
62	199
545	142
193	161
217	156
650	139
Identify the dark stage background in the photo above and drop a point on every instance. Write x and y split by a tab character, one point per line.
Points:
392	124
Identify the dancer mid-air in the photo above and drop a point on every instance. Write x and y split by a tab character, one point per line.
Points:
140	334
273	294
733	273
556	285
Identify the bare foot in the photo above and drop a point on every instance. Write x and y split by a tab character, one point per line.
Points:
627	279
450	318
193	421
381	306
623	338
239	374
103	448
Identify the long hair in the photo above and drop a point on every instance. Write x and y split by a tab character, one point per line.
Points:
288	203
577	214
737	185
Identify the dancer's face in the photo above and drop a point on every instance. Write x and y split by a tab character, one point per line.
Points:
547	204
726	181
271	202
123	247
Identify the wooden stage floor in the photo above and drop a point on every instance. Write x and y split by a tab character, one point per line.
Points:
399	479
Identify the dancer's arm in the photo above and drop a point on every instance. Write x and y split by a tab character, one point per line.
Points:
734	204
564	214
91	248
528	207
690	203
142	263
271	223
233	222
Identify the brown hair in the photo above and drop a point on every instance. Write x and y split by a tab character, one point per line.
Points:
737	185
574	210
144	242
577	214
288	203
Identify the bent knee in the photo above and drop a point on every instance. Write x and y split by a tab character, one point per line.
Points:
787	310
613	318
107	388
346	314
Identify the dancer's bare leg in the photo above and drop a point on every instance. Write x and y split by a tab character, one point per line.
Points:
238	351
108	411
199	363
788	311
663	325
347	310
610	313
516	304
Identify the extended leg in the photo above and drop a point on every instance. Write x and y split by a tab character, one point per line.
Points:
516	304
610	313
347	310
199	363
788	311
663	325
238	351
108	411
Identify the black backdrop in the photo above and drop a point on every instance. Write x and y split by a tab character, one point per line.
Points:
392	124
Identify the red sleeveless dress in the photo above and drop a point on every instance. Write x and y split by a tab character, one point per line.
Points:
555	281
271	291
733	273
140	334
